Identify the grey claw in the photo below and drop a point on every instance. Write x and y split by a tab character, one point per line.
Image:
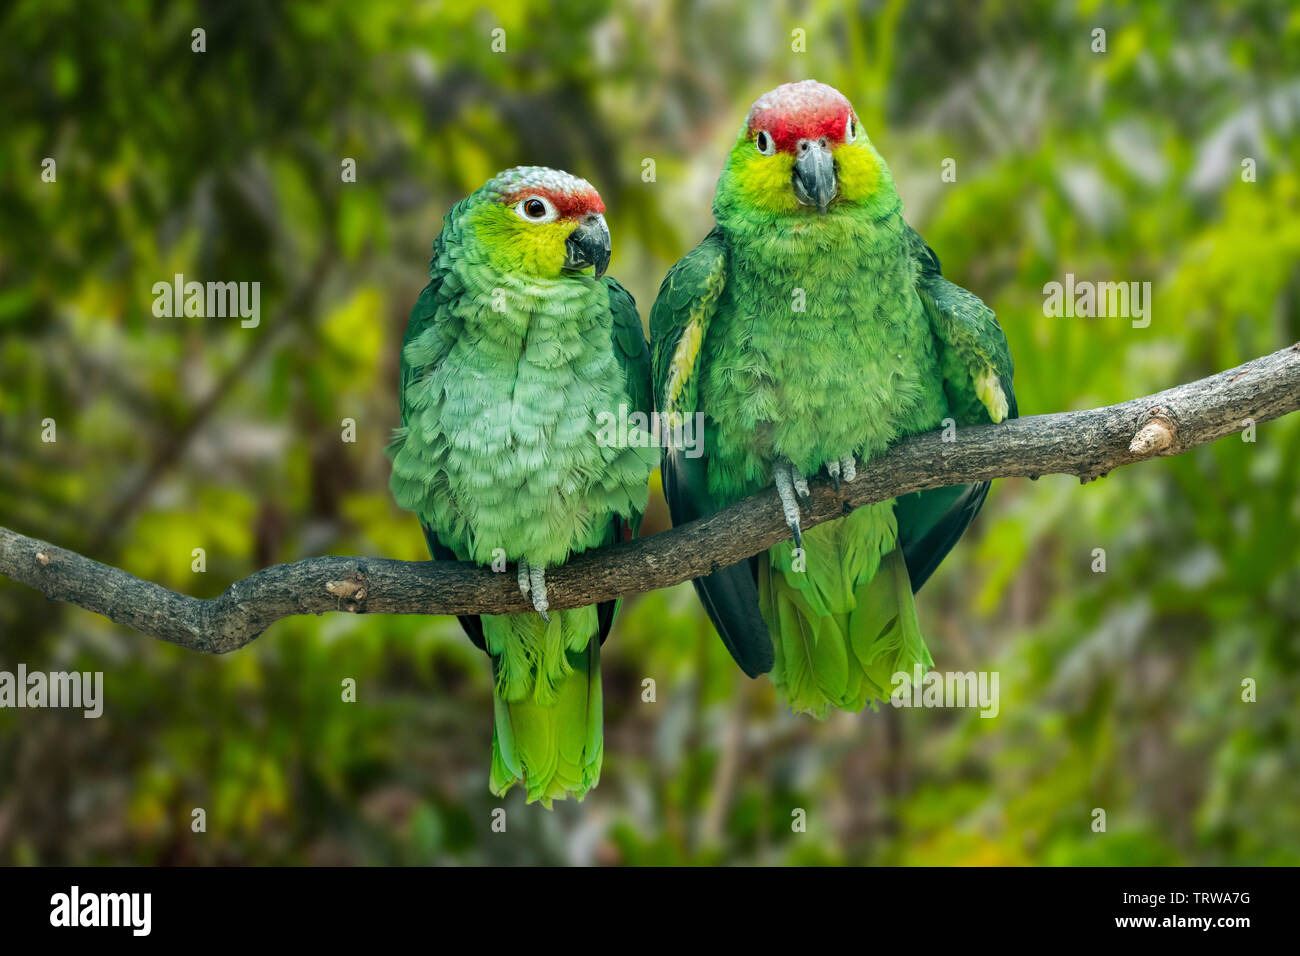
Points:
523	577
833	469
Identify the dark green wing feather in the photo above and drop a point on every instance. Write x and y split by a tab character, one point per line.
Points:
428	316
630	347
976	365
633	354
678	323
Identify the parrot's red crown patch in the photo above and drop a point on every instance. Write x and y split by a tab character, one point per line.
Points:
803	110
571	196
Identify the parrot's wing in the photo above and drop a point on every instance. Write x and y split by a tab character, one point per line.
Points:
630	347
633	355
975	362
679	321
431	327
680	318
435	333
973	351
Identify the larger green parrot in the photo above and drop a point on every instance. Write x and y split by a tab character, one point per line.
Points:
515	361
811	329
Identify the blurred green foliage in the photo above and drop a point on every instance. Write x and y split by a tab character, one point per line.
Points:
1120	690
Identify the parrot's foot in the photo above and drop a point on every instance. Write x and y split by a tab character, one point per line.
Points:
532	584
789	483
845	468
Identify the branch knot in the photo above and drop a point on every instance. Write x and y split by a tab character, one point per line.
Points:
1156	436
351	592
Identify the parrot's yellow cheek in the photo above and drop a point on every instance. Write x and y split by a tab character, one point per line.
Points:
858	171
541	248
515	246
765	181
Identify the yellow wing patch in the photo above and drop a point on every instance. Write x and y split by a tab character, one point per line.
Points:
682	366
988	389
684	356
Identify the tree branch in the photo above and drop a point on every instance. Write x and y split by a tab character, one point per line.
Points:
1084	443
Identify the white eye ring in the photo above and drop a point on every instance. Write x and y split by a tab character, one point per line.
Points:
526	209
764	143
850	133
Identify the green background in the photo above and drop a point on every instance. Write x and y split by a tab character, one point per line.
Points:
1119	690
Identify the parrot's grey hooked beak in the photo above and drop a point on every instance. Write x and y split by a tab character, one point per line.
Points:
814	174
588	245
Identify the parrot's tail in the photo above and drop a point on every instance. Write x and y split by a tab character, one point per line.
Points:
547	703
841	616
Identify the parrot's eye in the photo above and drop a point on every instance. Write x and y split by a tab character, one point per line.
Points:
535	209
764	143
850	134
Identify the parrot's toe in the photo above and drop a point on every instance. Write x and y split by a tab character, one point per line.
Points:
833	469
532	585
785	477
848	468
800	486
537	585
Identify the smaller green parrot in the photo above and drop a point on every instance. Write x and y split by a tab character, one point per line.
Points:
516	359
812	328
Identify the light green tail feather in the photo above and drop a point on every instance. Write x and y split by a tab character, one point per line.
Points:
846	623
548	734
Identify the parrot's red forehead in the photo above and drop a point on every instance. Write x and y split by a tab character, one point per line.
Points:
569	205
572	197
795	111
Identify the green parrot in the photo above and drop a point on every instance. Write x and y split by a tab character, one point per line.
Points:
811	329
515	358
